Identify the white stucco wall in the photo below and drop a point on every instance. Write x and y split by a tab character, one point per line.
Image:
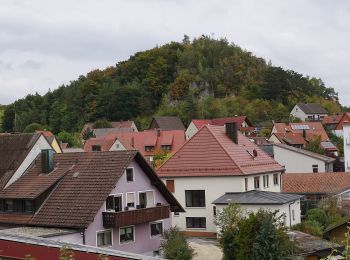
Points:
298	113
274	139
117	146
346	137
283	209
214	188
190	131
40	144
297	162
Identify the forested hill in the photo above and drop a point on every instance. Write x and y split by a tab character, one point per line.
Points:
203	78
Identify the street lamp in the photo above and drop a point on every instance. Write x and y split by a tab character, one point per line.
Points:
291	236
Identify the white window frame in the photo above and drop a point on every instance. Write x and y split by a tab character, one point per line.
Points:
133	175
104	230
273	176
128	242
150	231
143	191
115	195
266	178
126	199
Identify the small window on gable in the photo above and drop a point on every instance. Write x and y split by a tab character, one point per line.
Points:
170	185
130	174
149	148
96	148
315	168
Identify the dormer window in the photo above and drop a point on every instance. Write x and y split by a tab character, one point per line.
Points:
166	147
47	161
28	206
149	148
96	148
8	205
130	174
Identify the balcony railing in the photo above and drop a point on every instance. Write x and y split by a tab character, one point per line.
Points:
133	217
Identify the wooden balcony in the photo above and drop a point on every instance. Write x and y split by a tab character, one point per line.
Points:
136	216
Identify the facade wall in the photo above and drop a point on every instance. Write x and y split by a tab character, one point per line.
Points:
298	113
297	162
214	188
41	144
274	139
117	146
56	146
190	131
143	242
283	209
338	234
74	238
346	137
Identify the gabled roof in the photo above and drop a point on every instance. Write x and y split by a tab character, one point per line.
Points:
211	153
342	221
316	183
81	183
312	129
138	140
168	122
256	197
290	138
306	152
121	125
312	108
100	132
334	119
221	121
14	148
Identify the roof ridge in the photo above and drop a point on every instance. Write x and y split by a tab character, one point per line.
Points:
239	167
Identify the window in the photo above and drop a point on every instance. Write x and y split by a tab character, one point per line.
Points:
96	148
130	200
126	234
114	203
166	147
28	206
156	228
104	238
47	164
8	205
257	182
266	181
195	222
314	168
214	210
170	185
129	174
246	184
149	148
275	179
195	198
176	214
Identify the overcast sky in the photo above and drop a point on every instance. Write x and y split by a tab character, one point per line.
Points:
44	44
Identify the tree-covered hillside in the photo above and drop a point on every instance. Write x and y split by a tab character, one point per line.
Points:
202	78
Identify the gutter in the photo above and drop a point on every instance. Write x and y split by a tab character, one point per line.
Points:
290	217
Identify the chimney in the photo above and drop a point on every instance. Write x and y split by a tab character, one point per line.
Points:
47	164
231	132
304	133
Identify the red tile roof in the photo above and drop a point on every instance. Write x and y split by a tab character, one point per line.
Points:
211	153
220	121
315	129
323	183
331	119
85	181
290	138
138	140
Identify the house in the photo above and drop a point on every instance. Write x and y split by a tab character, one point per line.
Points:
51	138
337	232
330	122
245	126
308	112
149	143
315	248
338	130
298	159
17	152
346	139
286	204
299	134
107	199
26	245
119	126
166	123
217	159
315	187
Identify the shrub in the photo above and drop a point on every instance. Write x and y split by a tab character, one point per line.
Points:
31	128
175	246
311	227
318	215
102	123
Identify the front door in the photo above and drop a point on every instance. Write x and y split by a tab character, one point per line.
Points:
143	199
118	204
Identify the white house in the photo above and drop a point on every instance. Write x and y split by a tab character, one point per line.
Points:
17	152
287	205
346	138
298	159
308	112
217	159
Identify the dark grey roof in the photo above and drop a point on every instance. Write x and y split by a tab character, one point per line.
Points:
312	108
256	197
307	153
168	123
267	148
101	132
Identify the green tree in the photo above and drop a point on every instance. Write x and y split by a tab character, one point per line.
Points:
102	123
73	139
31	128
314	145
175	245
318	215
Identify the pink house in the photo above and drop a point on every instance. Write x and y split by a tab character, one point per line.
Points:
106	199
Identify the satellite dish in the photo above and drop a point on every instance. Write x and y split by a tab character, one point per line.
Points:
255	153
